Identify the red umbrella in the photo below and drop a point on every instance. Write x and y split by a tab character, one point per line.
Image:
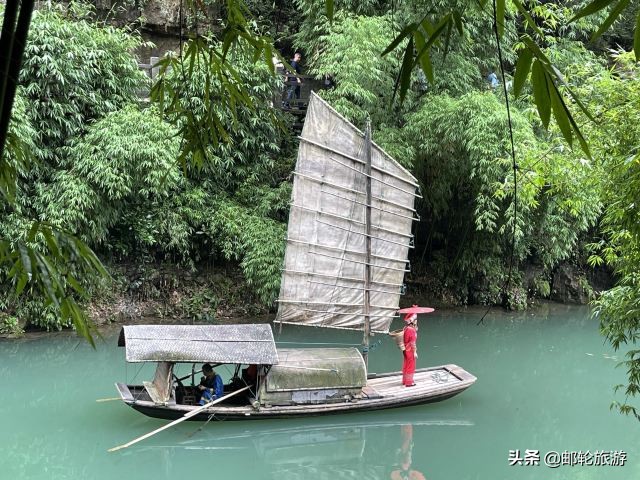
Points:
416	309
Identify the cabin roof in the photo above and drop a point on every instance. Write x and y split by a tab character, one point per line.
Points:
246	344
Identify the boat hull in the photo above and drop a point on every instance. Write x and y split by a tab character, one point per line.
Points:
383	391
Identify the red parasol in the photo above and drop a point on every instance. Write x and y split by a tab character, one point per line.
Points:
416	309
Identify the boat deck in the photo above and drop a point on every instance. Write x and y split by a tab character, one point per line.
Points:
427	381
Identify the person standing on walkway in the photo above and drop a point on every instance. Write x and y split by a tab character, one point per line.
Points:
410	335
294	81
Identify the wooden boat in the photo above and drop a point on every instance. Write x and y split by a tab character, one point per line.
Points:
348	240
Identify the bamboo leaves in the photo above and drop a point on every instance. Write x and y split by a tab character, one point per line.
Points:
223	86
500	9
550	90
425	60
422	36
548	98
545	78
522	70
59	265
541	92
597	5
527	18
636	38
615	13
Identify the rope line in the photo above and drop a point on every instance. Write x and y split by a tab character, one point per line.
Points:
513	161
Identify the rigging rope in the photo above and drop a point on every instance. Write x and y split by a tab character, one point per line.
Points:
513	160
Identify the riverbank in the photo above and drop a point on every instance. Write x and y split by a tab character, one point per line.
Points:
166	293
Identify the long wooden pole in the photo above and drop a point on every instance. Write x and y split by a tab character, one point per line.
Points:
186	416
367	266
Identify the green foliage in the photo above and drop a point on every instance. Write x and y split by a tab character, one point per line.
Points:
516	298
16	158
201	305
237	195
364	81
460	156
542	286
552	94
73	73
222	87
256	241
9	325
124	160
312	24
615	96
251	133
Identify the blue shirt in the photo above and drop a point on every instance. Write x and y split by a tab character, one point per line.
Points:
493	80
214	383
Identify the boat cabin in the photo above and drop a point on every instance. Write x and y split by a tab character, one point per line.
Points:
275	377
314	375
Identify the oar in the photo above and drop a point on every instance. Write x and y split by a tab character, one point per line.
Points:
187	376
186	416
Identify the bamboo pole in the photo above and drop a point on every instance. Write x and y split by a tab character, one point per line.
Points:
367	267
100	400
186	416
310	368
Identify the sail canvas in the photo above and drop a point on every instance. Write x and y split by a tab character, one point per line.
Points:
323	279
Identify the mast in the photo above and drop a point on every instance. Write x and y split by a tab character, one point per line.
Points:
367	261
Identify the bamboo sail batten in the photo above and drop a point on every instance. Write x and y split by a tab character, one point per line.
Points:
362	162
375	178
355	288
352	279
347	223
347	189
354	252
326	192
357	222
335	304
408	245
368	264
345	313
320	324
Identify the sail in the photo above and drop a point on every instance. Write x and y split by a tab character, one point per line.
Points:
323	279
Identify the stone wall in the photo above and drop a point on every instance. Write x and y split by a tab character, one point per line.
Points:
160	17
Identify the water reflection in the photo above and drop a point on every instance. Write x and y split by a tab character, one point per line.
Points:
344	449
405	472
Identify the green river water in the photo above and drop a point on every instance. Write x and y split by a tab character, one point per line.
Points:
545	383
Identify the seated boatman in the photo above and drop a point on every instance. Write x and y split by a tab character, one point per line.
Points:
250	375
211	386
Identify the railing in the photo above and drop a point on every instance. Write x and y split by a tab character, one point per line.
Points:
288	99
149	68
285	97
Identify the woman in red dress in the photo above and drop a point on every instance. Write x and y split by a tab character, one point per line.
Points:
410	354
